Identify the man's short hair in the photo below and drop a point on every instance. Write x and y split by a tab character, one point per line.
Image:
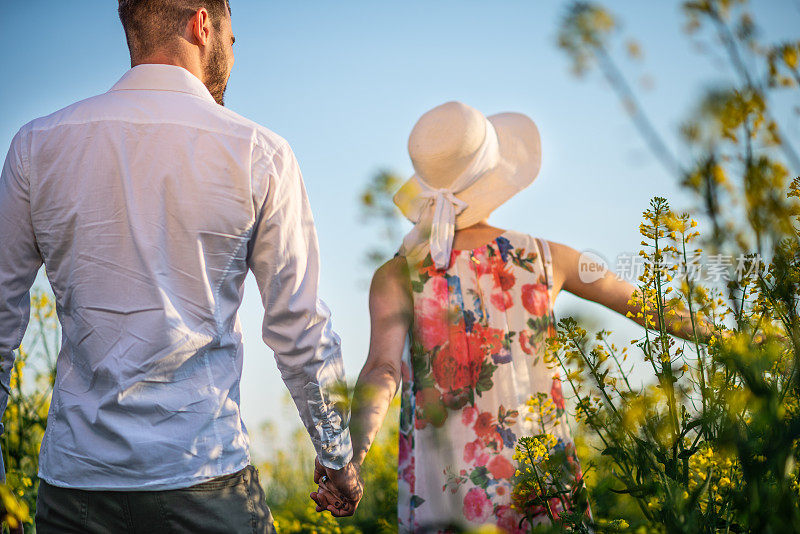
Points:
152	24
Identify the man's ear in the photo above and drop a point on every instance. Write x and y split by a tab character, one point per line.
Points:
200	27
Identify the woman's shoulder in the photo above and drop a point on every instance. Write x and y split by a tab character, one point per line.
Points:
391	286
392	274
394	267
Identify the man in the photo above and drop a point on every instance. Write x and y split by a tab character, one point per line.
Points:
147	205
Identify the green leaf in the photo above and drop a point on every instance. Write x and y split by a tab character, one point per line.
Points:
487	369
483	385
478	476
421	364
508	339
485	377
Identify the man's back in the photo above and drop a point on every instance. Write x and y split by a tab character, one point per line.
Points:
148	204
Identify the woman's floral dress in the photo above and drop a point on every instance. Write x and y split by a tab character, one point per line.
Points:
477	347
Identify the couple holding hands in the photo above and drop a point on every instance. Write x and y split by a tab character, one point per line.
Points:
149	204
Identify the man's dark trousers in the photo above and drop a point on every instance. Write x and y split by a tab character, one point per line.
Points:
232	503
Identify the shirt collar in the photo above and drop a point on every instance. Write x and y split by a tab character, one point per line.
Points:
158	77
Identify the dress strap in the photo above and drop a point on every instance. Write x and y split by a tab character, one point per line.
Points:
547	263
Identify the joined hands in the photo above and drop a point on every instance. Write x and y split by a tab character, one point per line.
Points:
339	490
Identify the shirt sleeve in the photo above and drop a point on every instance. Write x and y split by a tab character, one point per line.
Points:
283	254
20	260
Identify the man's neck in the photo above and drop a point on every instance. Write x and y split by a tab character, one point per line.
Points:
163	59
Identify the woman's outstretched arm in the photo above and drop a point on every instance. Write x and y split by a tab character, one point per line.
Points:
391	311
614	294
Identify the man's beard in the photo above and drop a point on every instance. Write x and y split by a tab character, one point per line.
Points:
216	79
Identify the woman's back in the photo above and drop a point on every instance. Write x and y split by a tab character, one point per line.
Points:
478	341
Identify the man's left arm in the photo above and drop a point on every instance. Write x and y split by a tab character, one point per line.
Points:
284	257
20	260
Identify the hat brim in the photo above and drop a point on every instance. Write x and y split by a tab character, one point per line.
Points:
520	160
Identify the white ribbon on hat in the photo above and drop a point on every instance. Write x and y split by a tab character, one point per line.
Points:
434	210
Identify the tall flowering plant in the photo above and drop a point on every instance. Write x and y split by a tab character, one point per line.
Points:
702	435
712	433
548	483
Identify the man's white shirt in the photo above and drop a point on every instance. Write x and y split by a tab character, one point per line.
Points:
147	205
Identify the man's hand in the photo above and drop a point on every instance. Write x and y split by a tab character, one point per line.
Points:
340	490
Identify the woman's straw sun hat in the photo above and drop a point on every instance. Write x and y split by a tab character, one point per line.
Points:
466	165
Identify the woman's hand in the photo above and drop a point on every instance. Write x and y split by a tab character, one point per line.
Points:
614	293
328	499
340	490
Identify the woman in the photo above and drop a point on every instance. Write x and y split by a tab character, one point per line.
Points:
477	302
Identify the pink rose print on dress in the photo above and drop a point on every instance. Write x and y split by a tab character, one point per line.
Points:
502	301
458	363
484	425
431	329
504	280
438	288
468	415
486	430
477	506
474	452
408	474
534	298
500	467
404	450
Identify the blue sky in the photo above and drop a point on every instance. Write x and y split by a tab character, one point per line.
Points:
344	83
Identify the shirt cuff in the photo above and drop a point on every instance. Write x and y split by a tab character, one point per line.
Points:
336	453
331	435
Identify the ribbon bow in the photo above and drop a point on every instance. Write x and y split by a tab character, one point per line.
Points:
443	225
438	225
